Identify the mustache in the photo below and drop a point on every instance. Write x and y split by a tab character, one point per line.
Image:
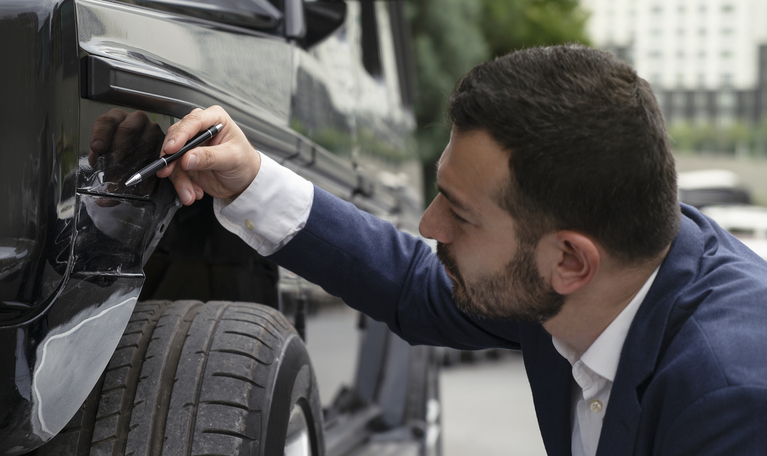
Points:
446	258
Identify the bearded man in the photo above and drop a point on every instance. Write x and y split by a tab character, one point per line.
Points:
642	323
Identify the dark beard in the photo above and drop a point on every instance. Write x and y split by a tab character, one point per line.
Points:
515	293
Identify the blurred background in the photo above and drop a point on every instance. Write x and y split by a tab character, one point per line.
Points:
707	63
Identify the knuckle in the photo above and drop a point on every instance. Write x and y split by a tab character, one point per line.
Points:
174	177
126	128
114	115
139	116
106	121
208	158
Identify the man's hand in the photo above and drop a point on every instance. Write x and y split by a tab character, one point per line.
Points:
223	169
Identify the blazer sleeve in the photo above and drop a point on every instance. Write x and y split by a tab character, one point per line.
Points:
389	275
730	420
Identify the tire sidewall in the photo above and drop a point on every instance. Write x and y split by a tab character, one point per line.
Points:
294	384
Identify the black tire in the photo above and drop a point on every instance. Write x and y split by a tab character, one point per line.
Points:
193	378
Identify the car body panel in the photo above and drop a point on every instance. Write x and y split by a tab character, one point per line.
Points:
38	180
76	240
71	252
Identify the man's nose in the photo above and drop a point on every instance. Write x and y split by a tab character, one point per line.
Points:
433	223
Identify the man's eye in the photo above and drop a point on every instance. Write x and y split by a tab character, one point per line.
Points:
457	217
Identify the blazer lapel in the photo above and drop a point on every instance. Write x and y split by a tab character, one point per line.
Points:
656	322
550	378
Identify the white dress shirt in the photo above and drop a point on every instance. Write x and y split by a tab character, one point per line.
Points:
276	206
271	211
594	374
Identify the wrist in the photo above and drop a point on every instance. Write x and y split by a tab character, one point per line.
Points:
252	167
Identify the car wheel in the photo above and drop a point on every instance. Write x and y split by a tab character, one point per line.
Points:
187	378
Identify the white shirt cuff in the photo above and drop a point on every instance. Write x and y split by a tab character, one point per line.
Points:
271	211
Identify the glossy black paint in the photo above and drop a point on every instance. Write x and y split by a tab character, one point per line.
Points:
38	172
39	152
97	83
73	240
60	353
54	358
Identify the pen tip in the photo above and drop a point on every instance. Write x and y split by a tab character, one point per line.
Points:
133	180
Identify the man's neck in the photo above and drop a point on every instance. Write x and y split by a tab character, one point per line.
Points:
589	311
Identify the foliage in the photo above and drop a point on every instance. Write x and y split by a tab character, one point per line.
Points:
452	36
516	24
448	42
734	139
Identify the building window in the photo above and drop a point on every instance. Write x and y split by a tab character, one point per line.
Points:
727	80
727	31
726	101
702	32
727	8
726	54
680	100
701	100
657	9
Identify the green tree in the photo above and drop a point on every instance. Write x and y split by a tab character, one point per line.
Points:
517	24
448	42
683	137
452	36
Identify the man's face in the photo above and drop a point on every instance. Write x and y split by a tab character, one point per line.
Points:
493	274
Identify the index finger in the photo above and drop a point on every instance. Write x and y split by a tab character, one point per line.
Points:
191	124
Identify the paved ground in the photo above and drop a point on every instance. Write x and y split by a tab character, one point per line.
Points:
488	410
487	406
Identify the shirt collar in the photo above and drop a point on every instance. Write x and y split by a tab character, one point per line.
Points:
603	355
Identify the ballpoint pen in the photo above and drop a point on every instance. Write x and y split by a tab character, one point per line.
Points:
166	160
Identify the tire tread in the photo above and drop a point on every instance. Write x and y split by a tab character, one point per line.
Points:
186	379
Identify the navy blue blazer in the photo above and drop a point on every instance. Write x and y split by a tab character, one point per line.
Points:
692	378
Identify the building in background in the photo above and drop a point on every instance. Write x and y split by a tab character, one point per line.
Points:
706	59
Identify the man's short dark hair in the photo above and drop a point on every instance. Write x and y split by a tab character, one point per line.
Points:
588	149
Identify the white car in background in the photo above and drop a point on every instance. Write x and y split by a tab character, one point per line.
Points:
747	223
720	195
712	187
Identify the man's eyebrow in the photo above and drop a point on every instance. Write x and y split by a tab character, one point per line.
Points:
455	201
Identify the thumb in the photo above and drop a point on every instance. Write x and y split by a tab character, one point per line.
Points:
235	165
205	158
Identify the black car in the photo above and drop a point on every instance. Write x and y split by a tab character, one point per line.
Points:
132	325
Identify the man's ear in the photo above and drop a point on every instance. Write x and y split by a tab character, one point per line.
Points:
574	261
